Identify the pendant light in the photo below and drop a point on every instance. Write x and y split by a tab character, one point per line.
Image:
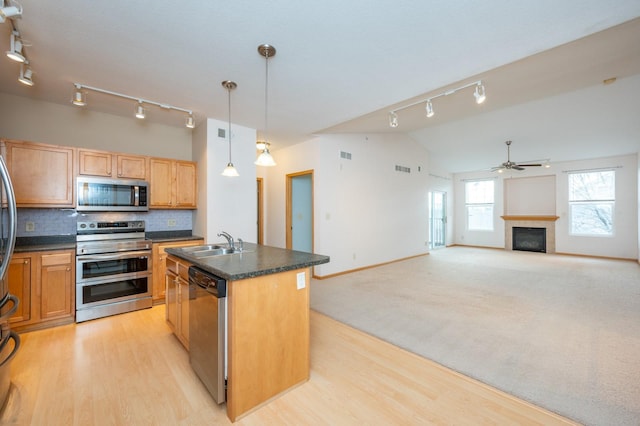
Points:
230	170
265	158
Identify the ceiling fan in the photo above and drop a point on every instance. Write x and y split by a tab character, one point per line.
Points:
511	165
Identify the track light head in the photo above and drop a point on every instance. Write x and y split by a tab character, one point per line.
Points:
11	12
190	122
393	119
140	111
26	75
429	109
79	98
479	93
15	52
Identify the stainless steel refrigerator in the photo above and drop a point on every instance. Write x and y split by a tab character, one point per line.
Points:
8	302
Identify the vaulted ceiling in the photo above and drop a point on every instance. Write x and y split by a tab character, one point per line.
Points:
339	67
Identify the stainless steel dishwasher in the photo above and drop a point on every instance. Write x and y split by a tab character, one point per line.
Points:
207	330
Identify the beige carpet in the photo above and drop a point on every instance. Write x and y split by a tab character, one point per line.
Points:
560	331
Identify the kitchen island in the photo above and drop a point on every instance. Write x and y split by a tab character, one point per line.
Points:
267	320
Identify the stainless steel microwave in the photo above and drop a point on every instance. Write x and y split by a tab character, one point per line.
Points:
104	194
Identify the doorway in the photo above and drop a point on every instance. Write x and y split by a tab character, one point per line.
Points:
437	219
300	211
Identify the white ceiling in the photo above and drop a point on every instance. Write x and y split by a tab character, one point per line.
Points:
340	65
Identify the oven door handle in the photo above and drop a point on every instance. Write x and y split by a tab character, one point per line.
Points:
124	255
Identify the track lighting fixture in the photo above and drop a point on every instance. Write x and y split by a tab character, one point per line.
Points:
26	74
190	122
479	94
15	51
393	119
429	109
79	99
140	111
11	12
230	170
265	159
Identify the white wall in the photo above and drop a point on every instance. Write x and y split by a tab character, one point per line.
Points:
365	212
46	122
225	203
624	242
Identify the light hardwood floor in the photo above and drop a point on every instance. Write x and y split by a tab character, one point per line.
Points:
130	370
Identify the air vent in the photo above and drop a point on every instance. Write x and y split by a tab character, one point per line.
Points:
403	169
345	155
222	133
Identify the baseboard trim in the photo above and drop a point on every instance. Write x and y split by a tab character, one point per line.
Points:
337	274
557	252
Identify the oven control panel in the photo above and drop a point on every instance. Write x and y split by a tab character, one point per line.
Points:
95	227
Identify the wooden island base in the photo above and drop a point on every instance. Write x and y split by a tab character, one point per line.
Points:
268	338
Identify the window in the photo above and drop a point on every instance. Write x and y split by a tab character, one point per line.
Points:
479	204
591	202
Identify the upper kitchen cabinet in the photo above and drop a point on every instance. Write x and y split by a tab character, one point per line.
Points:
42	175
173	184
113	165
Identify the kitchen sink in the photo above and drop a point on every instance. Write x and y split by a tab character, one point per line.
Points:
210	250
205	247
213	252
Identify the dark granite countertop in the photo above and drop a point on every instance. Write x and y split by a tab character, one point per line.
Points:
45	243
254	261
66	242
168	236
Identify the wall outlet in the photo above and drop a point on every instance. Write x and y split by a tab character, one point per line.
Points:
301	282
171	222
30	227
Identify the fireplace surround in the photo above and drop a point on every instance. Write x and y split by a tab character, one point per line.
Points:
547	222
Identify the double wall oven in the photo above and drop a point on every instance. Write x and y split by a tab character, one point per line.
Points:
113	269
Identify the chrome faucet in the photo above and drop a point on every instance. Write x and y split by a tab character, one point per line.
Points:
229	239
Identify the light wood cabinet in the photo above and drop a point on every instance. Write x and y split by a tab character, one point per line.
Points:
56	286
45	283
159	257
173	184
177	298
113	165
42	175
19	276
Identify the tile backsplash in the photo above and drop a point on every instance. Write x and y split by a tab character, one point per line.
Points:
46	222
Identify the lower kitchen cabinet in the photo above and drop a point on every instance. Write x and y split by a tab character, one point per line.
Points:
45	283
177	298
159	257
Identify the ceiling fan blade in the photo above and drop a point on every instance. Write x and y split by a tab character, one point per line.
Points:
529	165
517	167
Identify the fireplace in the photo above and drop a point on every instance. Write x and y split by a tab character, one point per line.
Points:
530	239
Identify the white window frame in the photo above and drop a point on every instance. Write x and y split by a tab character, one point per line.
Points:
469	205
577	201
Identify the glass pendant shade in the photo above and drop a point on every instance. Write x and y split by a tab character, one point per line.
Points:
230	171
265	159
